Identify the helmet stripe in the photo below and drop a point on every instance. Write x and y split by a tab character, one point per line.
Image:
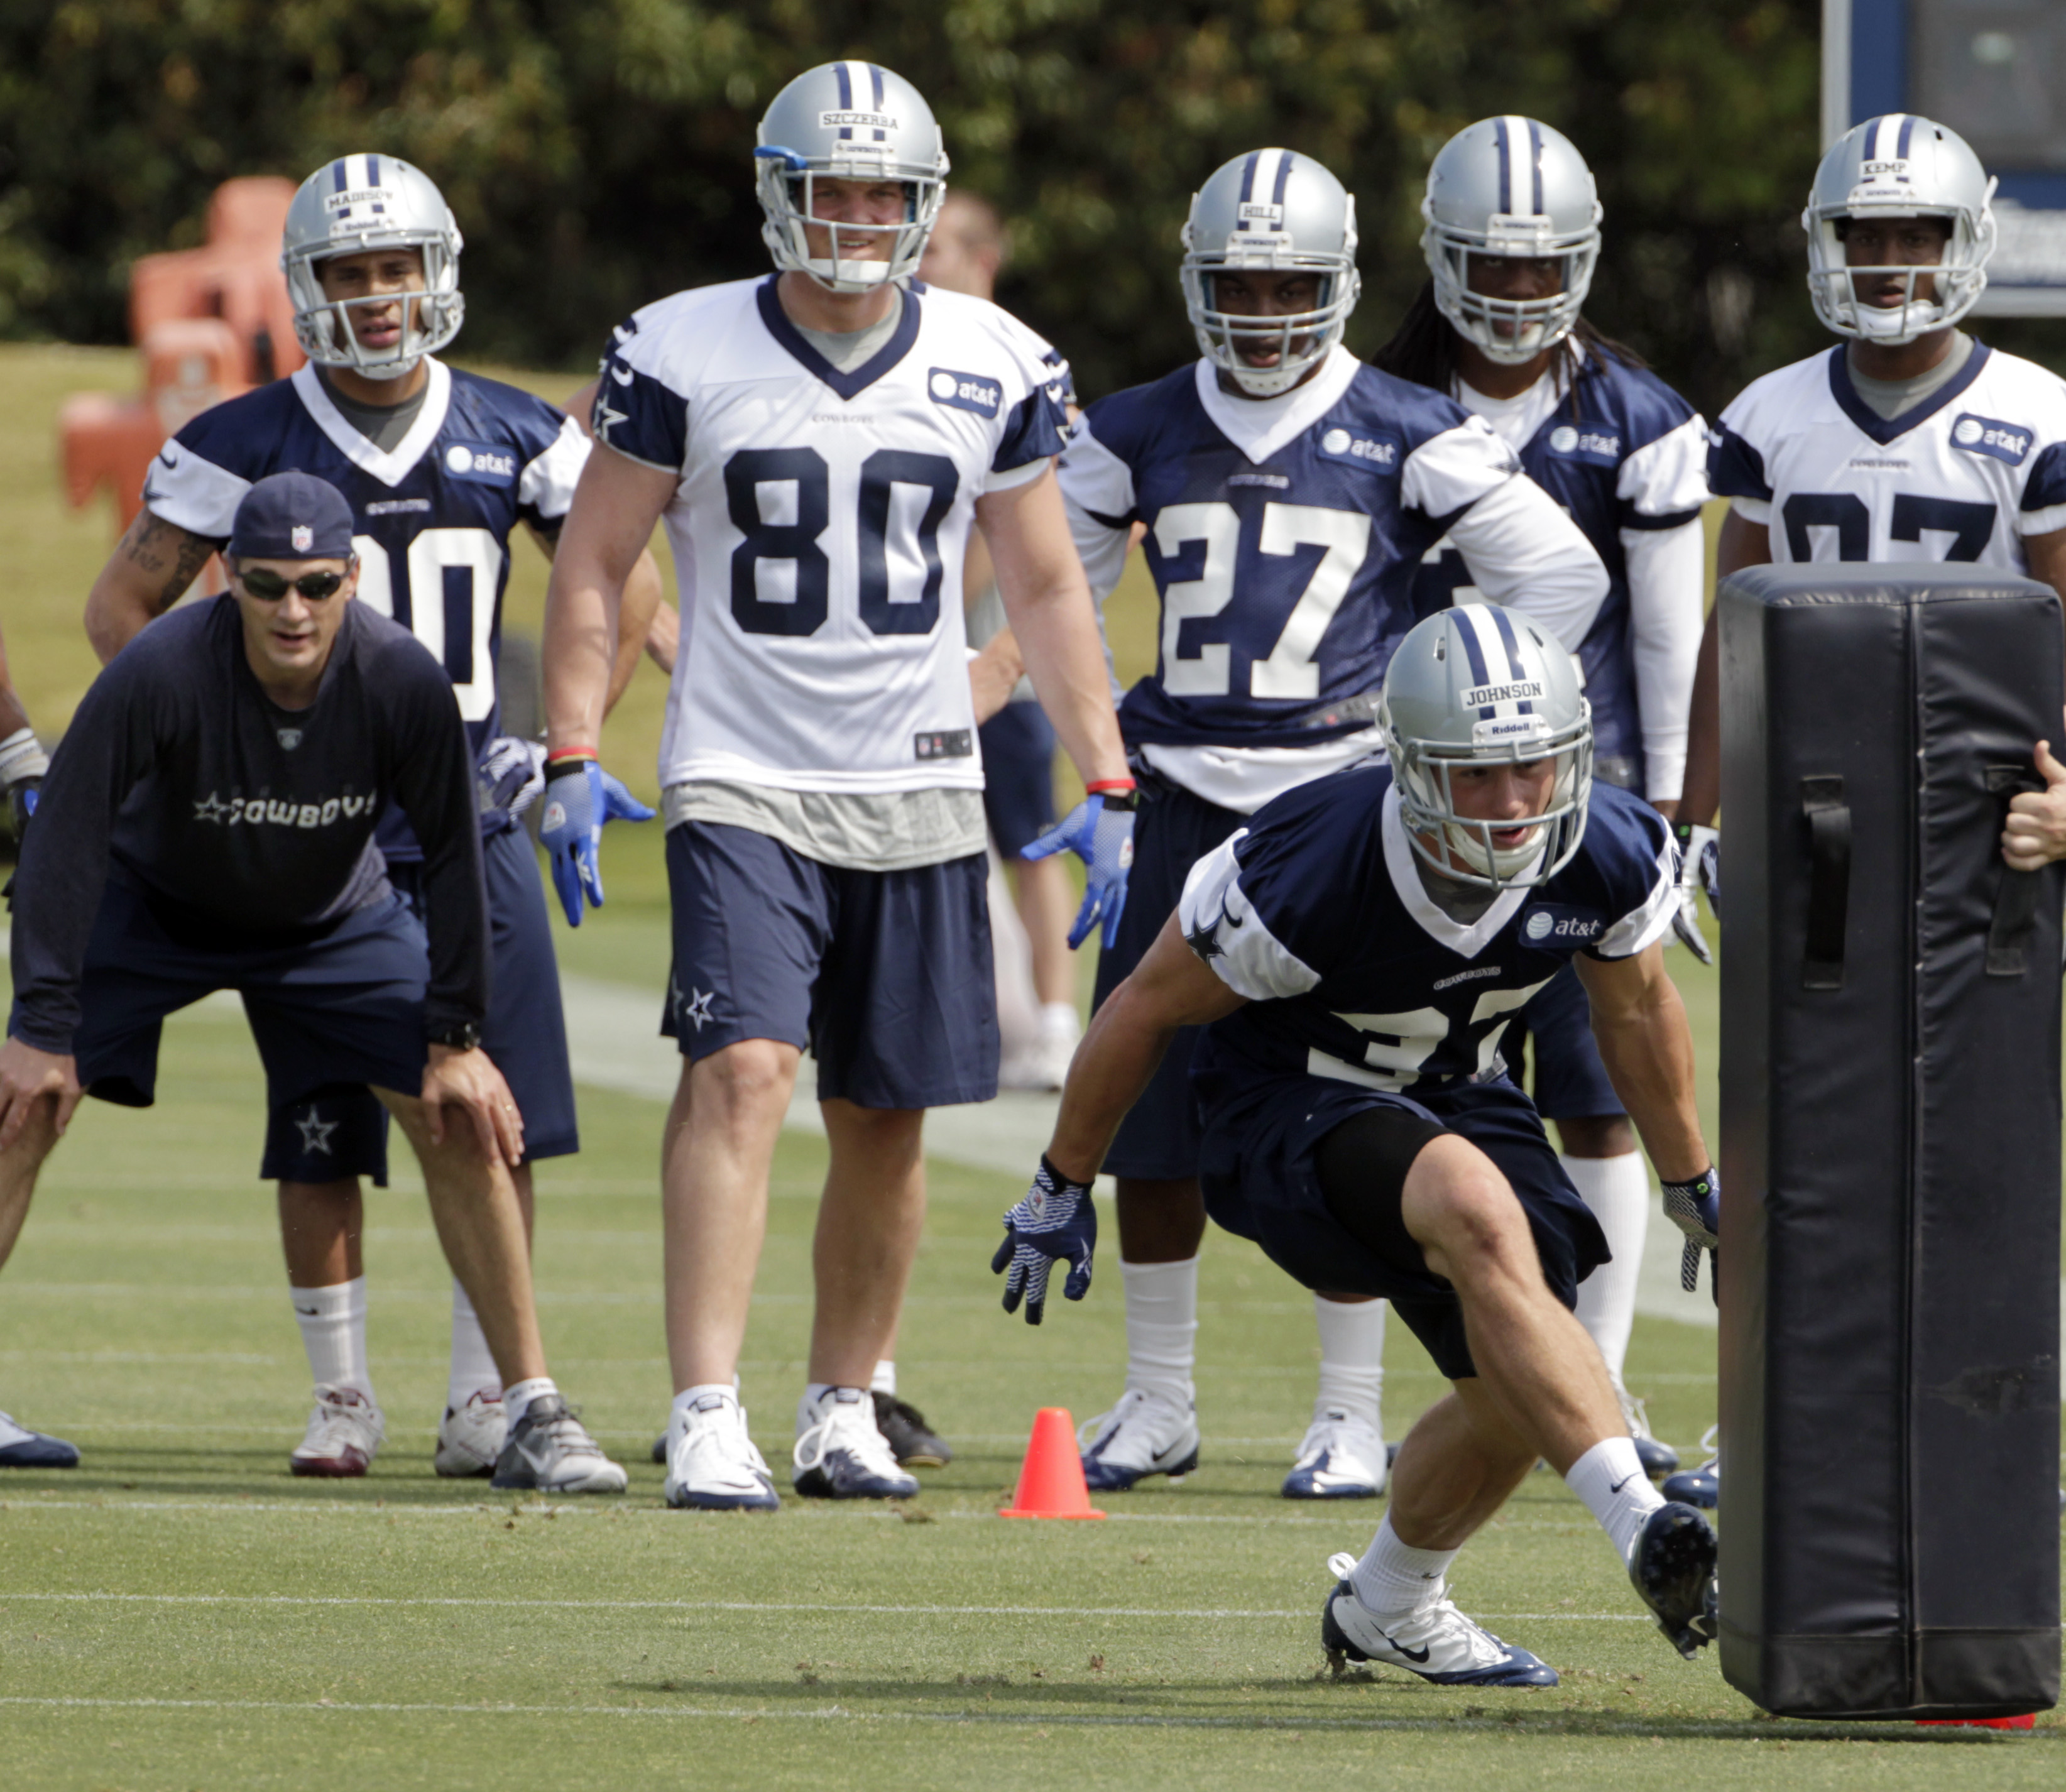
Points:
1505	168
1515	670
1535	162
373	171
842	71
1284	159
1871	145
1473	647
1907	130
340	174
875	74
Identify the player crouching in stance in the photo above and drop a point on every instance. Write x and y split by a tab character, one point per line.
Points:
207	824
1354	954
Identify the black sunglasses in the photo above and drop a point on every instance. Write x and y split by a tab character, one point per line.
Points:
270	587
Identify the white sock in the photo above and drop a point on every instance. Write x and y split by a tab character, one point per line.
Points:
333	1322
1351	1359
1617	1191
1059	1021
1394	1577
473	1370
885	1379
517	1397
1161	1328
1609	1478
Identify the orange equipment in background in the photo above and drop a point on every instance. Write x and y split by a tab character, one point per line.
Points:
210	323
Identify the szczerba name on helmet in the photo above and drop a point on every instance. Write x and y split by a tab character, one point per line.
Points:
1480	694
857	121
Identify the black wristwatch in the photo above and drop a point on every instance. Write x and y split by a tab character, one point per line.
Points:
460	1035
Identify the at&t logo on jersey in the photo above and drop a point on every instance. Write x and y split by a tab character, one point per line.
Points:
1550	924
2002	441
965	391
1587	442
492	466
1378	452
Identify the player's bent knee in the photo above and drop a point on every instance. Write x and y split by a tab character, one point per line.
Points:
1457	1203
747	1075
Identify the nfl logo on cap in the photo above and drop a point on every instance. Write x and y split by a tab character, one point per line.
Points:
303	537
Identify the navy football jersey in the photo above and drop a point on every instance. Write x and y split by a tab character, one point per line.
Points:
432	517
1283	537
1317	912
1619	450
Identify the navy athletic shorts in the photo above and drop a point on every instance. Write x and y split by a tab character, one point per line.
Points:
884	977
1019	775
1261	1181
1555	1028
341	1132
1174	829
342	1005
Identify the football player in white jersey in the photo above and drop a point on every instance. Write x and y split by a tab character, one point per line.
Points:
1289	493
1908	441
818	444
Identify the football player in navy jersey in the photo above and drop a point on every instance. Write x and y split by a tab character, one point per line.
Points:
1289	493
1354	953
439	467
1512	234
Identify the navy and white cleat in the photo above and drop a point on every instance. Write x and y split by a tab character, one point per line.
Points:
1438	1642
1340	1458
841	1455
20	1448
1658	1459
1701	1486
1144	1434
1672	1567
713	1466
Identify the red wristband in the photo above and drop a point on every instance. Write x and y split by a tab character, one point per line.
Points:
1099	786
569	753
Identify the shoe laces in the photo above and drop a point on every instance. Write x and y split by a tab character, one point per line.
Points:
1336	1429
564	1431
720	1430
1710	1448
1093	1434
1634	1414
847	1425
343	1416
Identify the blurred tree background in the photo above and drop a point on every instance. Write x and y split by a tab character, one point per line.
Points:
597	155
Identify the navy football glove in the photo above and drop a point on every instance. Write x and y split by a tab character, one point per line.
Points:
507	781
1695	1208
1055	1222
580	797
1696	857
1102	836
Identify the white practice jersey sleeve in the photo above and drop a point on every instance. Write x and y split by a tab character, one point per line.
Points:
1521	550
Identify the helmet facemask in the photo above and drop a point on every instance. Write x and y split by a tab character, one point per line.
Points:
1935	294
1510	331
431	317
1301	339
786	183
1462	848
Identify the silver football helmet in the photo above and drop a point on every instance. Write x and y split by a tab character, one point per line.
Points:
362	202
1510	186
1899	166
1478	685
848	121
1275	209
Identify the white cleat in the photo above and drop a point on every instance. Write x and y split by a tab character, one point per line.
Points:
712	1465
470	1437
1341	1458
1144	1434
549	1449
343	1436
1437	1642
841	1455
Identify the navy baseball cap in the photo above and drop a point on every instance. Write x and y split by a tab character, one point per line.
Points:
292	516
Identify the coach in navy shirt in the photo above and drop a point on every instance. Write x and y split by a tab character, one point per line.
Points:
207	824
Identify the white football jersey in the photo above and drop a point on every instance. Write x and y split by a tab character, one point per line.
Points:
1965	475
818	527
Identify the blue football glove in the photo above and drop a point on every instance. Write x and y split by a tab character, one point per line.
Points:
1055	1221
580	797
1695	1208
1102	836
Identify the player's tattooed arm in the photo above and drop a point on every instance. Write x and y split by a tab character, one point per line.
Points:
148	574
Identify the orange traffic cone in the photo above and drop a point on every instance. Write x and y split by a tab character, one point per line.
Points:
1051	1484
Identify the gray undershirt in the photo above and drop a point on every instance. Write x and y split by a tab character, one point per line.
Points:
848	349
1464	903
384	425
1890	397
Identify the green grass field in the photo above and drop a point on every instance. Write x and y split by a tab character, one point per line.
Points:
180	1613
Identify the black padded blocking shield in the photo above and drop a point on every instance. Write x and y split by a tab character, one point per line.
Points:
1890	1152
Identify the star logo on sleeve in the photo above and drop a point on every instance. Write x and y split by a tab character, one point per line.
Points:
1205	939
316	1132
